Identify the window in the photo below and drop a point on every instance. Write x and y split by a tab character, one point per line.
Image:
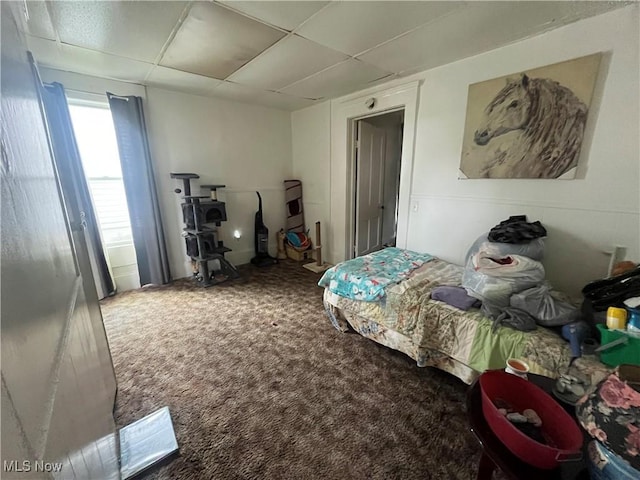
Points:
98	148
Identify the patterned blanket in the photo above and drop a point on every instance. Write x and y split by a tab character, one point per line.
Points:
365	278
433	328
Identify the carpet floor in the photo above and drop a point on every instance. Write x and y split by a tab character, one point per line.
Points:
261	386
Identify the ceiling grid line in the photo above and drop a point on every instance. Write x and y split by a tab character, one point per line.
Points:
271	47
250	17
172	35
298	27
409	31
49	10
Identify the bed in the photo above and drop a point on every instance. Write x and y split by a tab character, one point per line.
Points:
405	318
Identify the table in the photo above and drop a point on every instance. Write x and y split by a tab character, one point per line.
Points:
496	455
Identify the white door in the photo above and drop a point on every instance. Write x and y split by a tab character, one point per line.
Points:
371	146
58	383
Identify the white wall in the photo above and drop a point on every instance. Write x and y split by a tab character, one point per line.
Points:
585	216
311	142
244	147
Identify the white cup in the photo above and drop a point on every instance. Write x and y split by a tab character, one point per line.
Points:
516	366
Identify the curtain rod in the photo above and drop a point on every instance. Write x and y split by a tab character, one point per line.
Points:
96	94
111	95
86	92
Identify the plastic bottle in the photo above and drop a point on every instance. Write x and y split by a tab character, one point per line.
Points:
616	318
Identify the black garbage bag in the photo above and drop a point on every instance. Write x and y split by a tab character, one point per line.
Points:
613	291
601	294
516	229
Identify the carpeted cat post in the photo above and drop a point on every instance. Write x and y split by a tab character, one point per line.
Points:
318	266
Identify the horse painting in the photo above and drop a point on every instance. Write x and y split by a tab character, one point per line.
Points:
532	128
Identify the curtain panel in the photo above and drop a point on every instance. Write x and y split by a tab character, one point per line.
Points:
140	189
74	184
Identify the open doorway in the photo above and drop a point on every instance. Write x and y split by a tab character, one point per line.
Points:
378	153
97	144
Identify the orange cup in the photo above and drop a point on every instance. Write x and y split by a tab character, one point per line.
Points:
516	366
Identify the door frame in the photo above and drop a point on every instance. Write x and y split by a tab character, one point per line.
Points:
344	114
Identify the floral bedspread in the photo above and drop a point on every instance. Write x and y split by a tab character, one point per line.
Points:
365	278
466	337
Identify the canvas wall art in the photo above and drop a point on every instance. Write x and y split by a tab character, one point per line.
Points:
530	124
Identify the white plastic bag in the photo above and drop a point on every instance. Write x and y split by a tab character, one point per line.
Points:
490	280
544	307
512	266
534	249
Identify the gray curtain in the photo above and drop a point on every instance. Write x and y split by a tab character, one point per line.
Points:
74	183
140	188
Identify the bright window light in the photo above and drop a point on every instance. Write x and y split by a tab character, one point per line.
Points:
96	138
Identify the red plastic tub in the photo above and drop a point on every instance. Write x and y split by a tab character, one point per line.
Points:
563	434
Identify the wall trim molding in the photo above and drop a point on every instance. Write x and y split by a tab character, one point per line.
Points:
251	190
524	203
381	91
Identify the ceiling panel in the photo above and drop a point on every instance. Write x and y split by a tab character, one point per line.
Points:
288	61
353	27
286	15
434	44
342	78
136	30
215	42
39	23
75	59
477	28
241	93
171	79
390	39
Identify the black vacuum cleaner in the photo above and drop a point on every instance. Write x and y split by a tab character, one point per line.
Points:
261	240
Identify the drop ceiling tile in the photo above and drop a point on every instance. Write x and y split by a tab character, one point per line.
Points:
81	60
353	27
474	29
241	93
337	80
39	23
433	44
135	30
288	61
286	15
171	79
215	41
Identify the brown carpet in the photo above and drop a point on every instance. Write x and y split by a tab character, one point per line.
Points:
261	386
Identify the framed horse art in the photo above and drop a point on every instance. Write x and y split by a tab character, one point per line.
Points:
531	124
